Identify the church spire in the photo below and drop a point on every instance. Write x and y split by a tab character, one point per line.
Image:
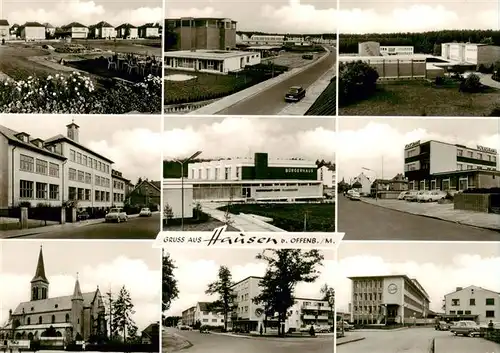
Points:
77	293
40	269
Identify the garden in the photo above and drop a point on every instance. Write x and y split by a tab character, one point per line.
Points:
292	217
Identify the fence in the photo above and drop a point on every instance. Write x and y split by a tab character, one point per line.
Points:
473	202
491	334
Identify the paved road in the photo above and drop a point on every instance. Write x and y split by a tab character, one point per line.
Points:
362	221
415	340
271	101
135	228
452	344
214	343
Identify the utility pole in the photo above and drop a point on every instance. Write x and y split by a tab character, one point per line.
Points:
382	167
110	298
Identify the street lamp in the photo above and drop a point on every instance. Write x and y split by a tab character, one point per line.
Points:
375	182
181	162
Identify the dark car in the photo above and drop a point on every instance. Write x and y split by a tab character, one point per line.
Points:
82	216
295	94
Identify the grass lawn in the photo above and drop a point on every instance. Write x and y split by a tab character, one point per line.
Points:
421	98
207	226
146	47
290	217
16	64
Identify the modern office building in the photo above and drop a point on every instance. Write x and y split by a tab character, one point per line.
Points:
388	300
472	303
211	61
396	50
440	165
203	33
471	53
54	171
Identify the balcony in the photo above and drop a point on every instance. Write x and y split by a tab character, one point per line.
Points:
313	307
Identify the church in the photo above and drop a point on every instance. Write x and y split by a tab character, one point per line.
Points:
76	317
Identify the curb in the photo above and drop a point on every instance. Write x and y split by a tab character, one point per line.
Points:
188	345
351	341
432	346
435	217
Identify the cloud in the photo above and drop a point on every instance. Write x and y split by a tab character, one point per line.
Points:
238	137
135	152
86	12
142	282
437	280
193	12
409	19
191	292
380	147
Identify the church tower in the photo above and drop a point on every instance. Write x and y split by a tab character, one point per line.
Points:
77	310
40	283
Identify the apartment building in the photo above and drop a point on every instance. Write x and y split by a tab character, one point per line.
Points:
394	299
440	165
206	316
328	176
120	188
188	316
473	303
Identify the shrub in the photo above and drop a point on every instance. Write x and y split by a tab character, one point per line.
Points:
472	84
439	80
357	80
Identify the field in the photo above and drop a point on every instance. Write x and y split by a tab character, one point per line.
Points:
290	217
293	60
421	98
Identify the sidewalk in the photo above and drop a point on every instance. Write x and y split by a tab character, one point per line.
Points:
444	212
479	345
349	339
487	80
244	223
272	337
313	92
237	97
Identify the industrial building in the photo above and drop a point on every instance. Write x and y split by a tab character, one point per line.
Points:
210	61
471	53
472	303
203	33
393	299
439	165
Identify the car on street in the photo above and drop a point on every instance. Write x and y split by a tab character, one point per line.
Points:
412	196
145	212
402	195
355	196
432	196
82	216
442	326
465	328
295	94
117	215
345	325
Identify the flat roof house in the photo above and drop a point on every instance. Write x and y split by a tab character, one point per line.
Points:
127	31
102	30
33	31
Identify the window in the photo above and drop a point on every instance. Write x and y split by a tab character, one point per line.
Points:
66	318
72	174
84	160
199	174
490	313
81	176
460	153
95	163
479	156
97	195
455	302
88	178
29	321
452	312
471	154
490	301
79	158
227	173
26	163
53	192
107	196
71	193
41	166
472	301
80	194
469	167
89	162
87	194
54	170
467	312
26	189
39	319
53	320
238	172
72	155
460	312
460	166
97	180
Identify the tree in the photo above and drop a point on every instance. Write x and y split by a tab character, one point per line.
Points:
126	33
328	294
472	84
169	283
285	269
223	288
168	213
123	309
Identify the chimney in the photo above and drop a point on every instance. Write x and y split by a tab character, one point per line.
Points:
72	131
10	314
459	289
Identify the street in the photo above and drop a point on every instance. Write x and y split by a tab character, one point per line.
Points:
217	343
416	340
362	221
271	101
135	228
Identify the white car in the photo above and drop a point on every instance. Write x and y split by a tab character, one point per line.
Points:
116	215
403	194
411	196
355	196
431	196
145	212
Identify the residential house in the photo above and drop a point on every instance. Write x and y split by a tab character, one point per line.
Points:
364	182
119	188
151	334
389	188
472	303
33	31
146	193
127	31
4	29
207	316
76	30
149	30
327	175
102	30
50	30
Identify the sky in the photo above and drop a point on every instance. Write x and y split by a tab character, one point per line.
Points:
132	142
274	16
107	264
241	263
438	267
378	144
63	12
308	138
373	16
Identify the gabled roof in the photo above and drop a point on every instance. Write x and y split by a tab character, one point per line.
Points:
204	306
154	184
63	303
151	25
125	25
151	330
33	24
11	135
4	23
48	25
75	24
62	138
102	24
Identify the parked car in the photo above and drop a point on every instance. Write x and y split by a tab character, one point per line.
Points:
116	215
431	196
82	216
145	212
355	196
442	326
295	94
466	328
345	325
411	196
403	194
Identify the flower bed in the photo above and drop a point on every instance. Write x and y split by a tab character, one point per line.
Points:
78	94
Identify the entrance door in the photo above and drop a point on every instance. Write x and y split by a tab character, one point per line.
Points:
422	185
463	184
433	185
446	185
246	192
